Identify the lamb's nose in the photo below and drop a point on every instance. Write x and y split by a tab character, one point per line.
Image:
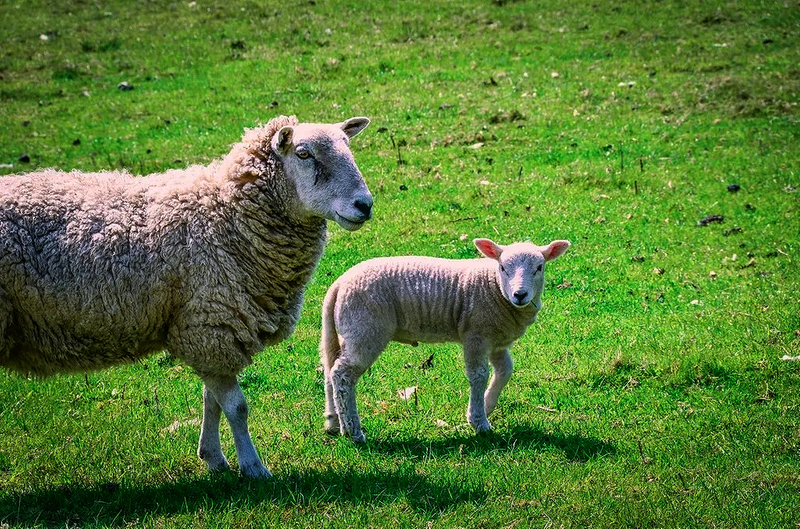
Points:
520	296
364	206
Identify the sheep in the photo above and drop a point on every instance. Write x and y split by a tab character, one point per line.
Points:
208	263
484	304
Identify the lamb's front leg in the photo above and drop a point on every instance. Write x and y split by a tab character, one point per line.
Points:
503	366
475	353
229	397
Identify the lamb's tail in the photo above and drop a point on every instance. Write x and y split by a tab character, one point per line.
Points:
329	348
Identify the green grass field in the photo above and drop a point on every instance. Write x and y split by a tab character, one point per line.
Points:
653	391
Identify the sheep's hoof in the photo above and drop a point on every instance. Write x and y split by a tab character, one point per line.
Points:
216	465
258	471
332	428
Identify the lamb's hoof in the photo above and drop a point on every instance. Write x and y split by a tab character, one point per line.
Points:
482	427
255	471
359	438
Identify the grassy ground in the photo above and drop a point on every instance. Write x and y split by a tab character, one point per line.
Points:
652	391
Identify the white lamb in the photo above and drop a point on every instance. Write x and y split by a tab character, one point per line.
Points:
485	304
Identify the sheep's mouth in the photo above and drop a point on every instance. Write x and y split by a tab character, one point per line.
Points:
348	224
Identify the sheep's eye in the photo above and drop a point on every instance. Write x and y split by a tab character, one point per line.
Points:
539	268
502	268
303	154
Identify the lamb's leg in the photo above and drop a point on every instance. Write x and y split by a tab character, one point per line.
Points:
475	353
209	449
331	417
343	380
229	396
502	366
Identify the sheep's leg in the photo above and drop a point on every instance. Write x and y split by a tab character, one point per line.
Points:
503	366
344	377
209	449
475	353
231	400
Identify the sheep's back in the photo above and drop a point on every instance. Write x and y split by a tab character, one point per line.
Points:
79	271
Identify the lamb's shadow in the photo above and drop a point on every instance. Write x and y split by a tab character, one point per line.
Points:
115	505
577	448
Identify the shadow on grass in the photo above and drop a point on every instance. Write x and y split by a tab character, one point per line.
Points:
575	448
116	505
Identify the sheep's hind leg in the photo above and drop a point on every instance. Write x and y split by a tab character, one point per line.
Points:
502	366
230	399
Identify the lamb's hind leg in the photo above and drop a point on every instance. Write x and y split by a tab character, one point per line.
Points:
230	399
356	357
502	366
343	379
331	417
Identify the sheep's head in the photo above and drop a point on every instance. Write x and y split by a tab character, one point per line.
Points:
521	268
318	160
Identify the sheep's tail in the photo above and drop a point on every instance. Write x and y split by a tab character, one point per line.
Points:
329	348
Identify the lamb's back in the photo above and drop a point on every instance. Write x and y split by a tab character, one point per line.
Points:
425	299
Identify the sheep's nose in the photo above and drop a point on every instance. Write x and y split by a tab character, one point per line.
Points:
364	206
520	296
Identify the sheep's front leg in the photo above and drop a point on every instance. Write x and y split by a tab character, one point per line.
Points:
503	366
475	353
209	449
230	399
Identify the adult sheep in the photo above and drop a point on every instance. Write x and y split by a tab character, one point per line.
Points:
484	304
209	263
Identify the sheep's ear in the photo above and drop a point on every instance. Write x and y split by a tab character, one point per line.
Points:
555	249
488	248
353	126
282	140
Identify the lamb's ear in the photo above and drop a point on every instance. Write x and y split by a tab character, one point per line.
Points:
353	126
282	139
488	248
555	249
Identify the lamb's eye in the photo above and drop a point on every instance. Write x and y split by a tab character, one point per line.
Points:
303	154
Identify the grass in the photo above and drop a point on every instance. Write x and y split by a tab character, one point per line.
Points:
652	392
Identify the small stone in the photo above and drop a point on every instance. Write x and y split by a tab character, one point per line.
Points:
125	86
733	188
24	159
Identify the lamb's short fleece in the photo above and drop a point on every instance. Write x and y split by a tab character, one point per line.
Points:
208	262
485	304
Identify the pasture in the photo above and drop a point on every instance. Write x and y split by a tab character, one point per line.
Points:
661	383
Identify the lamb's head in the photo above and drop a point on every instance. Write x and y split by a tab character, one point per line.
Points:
520	268
318	160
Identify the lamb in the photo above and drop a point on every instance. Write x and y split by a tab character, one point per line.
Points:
209	263
484	304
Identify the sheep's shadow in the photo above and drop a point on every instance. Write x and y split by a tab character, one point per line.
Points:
576	448
115	505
